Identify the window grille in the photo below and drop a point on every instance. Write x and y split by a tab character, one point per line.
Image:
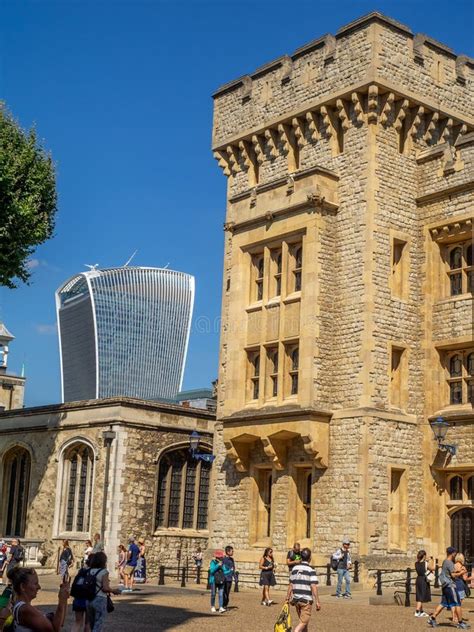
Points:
16	475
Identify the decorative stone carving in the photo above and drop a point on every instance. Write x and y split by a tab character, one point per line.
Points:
431	128
387	109
229	226
298	130
276	449
238	452
223	161
402	112
271	137
417	120
312	120
258	143
326	123
233	158
342	113
448	130
358	107
372	104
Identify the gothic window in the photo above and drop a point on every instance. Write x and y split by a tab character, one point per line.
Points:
298	267
272	355
16	480
461	270
276	259
455	488
254	369
461	377
182	492
78	471
258	271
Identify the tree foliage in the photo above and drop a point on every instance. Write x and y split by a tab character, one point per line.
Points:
28	200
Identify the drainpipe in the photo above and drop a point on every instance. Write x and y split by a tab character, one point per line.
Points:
108	436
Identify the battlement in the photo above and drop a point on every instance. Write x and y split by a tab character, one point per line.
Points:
371	51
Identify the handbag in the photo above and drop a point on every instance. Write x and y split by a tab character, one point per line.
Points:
283	623
110	604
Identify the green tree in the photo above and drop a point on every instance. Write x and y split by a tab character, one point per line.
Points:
28	199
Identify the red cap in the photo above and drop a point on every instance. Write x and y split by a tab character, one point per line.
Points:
218	553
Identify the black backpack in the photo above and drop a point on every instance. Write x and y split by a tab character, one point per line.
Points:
19	554
219	577
84	585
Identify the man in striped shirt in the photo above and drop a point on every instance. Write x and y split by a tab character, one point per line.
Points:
303	590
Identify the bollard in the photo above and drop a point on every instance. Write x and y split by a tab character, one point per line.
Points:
208	586
379	582
198	575
436	573
183	577
356	572
328	574
161	576
236	581
408	588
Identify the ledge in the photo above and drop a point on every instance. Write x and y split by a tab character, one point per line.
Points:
463	413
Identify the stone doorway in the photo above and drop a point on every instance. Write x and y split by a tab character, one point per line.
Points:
462	536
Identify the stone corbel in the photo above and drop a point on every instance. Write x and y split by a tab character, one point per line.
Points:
290	146
233	157
276	450
329	48
431	128
387	109
223	162
312	120
271	138
358	107
418	47
298	130
461	61
417	120
372	104
447	130
247	85
342	114
401	115
229	227
310	448
258	143
238	452
326	122
286	69
250	161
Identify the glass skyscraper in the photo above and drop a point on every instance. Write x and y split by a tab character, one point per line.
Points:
124	332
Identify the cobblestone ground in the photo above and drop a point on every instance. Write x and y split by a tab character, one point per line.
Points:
171	608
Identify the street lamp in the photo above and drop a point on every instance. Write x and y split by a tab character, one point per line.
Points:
194	439
440	428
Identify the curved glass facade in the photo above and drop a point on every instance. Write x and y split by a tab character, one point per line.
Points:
124	332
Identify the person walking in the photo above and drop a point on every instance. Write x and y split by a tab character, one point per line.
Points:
79	604
424	572
121	563
27	617
461	580
3	560
131	565
217	580
267	575
229	572
450	598
98	546
303	590
140	571
87	551
66	560
293	556
197	557
344	563
97	607
16	555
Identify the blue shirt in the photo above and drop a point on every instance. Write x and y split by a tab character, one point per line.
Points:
134	553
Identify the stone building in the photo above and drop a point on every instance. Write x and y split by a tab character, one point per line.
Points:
12	387
347	314
117	467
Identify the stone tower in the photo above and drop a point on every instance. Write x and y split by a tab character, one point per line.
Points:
12	387
347	314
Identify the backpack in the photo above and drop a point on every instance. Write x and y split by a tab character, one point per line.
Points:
19	554
219	577
84	585
333	562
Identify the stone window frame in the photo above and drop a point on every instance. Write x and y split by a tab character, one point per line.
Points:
291	373
195	529
465	378
398	376
62	484
401	528
19	511
254	374
465	500
262	507
400	262
272	372
464	273
276	268
257	277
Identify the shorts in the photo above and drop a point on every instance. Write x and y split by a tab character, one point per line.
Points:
129	570
79	605
450	597
303	610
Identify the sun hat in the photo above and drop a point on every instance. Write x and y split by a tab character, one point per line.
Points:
346	541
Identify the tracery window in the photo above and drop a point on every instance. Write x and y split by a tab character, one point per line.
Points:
16	481
455	488
78	471
183	491
461	270
460	365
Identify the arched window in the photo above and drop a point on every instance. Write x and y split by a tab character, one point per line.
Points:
16	482
455	488
470	488
78	471
183	491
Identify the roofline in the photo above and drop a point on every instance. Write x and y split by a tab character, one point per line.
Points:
128	402
369	18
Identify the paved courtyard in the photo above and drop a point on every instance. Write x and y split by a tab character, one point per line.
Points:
171	608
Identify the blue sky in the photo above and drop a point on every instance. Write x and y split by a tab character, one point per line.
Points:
121	94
